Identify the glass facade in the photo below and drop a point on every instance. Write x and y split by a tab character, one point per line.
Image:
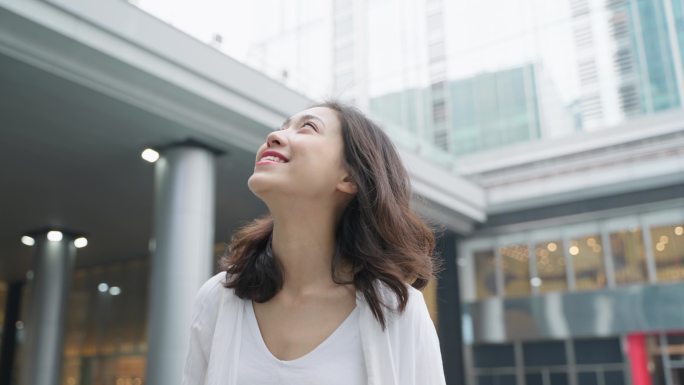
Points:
610	251
515	270
588	262
667	245
657	52
459	79
629	258
551	266
581	361
105	337
485	272
579	260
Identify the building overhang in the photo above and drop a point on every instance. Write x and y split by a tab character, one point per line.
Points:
641	154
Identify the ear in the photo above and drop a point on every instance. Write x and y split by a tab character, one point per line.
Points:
347	185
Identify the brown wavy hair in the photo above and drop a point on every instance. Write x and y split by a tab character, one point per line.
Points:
377	234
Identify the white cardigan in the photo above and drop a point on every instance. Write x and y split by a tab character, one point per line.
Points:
405	353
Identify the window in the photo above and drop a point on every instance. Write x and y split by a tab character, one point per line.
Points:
546	353
496	379
551	266
598	351
587	260
516	270
629	258
667	243
485	273
439	111
494	356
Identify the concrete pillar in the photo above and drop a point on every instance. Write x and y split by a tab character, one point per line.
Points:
52	268
182	258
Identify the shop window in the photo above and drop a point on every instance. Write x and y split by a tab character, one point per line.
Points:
587	378
551	266
629	258
614	377
561	378
667	243
534	379
598	351
105	338
494	356
586	254
675	348
496	379
516	270
485	273
547	353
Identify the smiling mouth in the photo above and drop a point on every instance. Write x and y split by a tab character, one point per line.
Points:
272	157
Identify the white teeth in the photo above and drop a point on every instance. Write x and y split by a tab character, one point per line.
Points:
273	159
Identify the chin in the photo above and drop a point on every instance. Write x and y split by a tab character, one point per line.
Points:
260	185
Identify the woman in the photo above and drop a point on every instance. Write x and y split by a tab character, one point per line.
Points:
324	289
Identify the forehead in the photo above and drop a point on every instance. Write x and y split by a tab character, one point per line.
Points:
326	115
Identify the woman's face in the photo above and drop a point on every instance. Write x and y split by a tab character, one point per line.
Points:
304	159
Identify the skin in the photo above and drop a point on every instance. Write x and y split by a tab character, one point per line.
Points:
305	196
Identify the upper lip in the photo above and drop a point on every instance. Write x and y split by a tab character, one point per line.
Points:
273	153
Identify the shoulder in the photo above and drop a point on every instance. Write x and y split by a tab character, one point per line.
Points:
208	297
415	313
211	286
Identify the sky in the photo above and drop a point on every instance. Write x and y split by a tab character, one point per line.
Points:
485	36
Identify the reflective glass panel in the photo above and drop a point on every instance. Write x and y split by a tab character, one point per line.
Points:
629	258
667	243
516	270
675	348
586	254
485	273
551	266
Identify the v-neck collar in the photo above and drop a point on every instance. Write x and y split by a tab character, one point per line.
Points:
253	324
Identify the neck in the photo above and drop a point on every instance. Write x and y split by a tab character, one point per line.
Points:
304	243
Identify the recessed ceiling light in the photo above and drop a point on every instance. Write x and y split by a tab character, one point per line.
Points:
54	236
80	242
150	155
28	241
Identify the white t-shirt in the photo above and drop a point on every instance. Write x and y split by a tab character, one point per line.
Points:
336	360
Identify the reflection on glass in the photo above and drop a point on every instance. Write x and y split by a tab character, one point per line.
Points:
551	266
516	270
587	260
655	359
105	333
629	258
485	273
675	347
667	243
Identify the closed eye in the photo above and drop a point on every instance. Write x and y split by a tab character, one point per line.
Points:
311	125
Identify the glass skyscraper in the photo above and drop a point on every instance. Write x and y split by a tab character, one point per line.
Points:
486	111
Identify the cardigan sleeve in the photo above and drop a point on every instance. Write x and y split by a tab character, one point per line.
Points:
203	321
429	369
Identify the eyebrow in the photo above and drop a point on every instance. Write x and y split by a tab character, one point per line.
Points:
301	118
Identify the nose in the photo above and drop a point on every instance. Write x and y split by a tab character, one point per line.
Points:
275	138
